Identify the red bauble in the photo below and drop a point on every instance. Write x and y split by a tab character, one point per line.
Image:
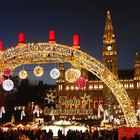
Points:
81	82
7	72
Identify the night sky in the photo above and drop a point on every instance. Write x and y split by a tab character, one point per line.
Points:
85	17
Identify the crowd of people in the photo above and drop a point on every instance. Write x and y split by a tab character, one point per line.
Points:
26	135
71	135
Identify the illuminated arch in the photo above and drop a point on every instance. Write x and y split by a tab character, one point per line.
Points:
35	53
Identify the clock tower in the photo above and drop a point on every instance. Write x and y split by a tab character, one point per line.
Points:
109	52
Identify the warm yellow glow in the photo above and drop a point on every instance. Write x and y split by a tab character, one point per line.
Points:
71	75
38	71
23	74
36	53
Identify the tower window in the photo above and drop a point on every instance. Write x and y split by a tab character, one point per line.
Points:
109	64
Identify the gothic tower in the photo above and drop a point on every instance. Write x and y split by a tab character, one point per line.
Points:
61	80
109	52
109	56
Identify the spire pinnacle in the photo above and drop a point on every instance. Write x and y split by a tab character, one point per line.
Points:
109	36
108	14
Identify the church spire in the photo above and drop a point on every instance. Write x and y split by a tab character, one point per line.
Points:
109	36
109	52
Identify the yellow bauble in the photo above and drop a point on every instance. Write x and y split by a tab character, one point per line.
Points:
38	71
71	75
23	74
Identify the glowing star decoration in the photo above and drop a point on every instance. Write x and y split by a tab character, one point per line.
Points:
8	85
23	74
50	98
7	72
86	99
54	73
81	82
1	80
71	75
38	71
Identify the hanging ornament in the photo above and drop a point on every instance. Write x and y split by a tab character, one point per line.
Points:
23	74
54	73
100	109
78	72
53	118
81	82
22	113
1	80
8	85
2	111
71	75
7	72
38	71
36	110
106	116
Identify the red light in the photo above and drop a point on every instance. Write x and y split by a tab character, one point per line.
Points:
81	82
76	40
1	80
1	45
7	72
21	38
51	35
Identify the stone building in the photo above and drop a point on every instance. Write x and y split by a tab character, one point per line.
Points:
76	103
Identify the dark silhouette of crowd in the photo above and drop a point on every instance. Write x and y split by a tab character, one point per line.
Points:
96	135
71	135
26	135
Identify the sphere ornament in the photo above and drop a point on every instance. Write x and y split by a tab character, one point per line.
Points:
78	72
54	73
7	72
8	85
23	74
81	82
38	71
71	75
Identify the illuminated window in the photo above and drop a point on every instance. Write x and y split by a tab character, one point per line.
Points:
100	86
67	87
125	85
95	86
60	87
84	88
90	87
131	85
72	87
138	84
76	88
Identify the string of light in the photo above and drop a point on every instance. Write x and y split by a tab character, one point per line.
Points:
35	53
